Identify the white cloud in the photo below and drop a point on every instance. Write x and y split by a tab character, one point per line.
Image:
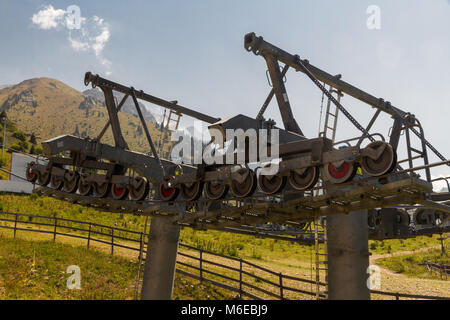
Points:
100	41
78	45
92	35
48	17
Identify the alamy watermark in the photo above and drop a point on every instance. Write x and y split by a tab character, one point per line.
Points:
374	20
73	17
235	146
374	279
74	281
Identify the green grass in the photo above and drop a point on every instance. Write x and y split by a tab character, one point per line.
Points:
37	270
409	264
275	252
395	245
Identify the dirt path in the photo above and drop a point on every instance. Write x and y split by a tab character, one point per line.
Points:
373	258
394	282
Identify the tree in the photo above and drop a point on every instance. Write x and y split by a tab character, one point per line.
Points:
23	146
32	151
33	139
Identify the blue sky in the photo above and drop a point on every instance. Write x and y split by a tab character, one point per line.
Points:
192	51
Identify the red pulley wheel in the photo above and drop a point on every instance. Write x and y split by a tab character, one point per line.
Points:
31	176
168	194
340	174
119	191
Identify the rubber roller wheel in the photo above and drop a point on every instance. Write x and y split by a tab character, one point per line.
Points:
245	188
71	179
56	182
168	194
271	184
305	180
119	191
345	172
84	187
43	177
139	188
30	174
192	191
101	190
215	190
385	163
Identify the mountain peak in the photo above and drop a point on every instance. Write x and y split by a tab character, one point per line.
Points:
48	107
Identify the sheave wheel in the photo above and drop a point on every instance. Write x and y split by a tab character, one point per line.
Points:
192	191
56	182
168	194
345	172
71	181
84	187
43	178
139	188
215	190
245	188
119	191
304	180
271	184
31	176
384	164
101	190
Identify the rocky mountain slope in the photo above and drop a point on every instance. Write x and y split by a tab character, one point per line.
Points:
128	106
48	108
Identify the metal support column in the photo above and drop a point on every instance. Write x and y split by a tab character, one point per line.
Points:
160	261
348	256
282	98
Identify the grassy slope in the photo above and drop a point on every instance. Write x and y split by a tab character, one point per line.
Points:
57	113
37	270
9	141
409	264
272	252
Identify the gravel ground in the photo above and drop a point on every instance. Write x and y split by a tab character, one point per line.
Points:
394	282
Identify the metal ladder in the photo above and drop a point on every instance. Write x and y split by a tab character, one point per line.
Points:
320	223
176	120
141	262
321	258
331	117
172	117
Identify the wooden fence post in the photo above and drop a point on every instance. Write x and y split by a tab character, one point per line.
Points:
201	265
112	241
141	246
240	278
54	230
15	225
281	286
89	235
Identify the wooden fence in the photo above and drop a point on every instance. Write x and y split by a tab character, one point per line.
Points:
244	278
441	269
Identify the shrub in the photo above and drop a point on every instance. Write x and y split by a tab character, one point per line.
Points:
3	162
38	151
20	135
15	147
23	145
